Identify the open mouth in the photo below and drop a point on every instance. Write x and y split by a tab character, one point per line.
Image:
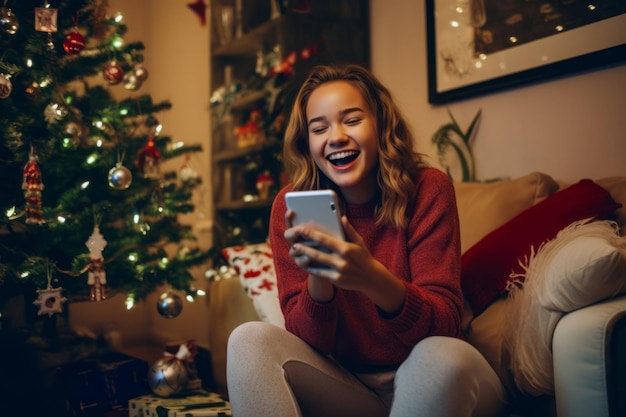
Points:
342	158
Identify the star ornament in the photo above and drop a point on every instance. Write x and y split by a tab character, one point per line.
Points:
49	301
199	8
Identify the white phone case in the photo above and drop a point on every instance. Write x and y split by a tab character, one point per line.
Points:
320	207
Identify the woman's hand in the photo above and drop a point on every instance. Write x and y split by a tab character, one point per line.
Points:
349	265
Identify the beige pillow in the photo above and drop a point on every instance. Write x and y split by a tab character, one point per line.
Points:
483	207
485	334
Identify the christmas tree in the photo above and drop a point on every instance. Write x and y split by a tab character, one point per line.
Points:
87	207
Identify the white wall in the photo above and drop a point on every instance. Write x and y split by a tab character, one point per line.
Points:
177	60
569	128
177	53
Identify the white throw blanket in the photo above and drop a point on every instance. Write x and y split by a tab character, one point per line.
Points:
585	263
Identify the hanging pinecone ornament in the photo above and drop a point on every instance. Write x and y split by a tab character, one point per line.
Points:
96	275
32	185
54	112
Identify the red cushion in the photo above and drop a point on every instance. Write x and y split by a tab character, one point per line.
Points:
487	266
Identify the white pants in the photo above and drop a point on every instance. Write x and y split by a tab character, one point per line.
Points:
273	373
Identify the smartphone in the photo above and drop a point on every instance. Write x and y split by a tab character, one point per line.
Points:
320	207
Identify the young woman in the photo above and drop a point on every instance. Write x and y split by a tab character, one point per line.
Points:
376	332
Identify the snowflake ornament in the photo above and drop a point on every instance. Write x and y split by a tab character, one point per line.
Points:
50	301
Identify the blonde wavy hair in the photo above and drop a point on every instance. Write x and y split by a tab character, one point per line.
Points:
398	162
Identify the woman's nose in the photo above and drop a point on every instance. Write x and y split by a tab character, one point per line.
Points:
337	135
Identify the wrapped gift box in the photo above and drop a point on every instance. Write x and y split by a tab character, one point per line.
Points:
200	404
102	383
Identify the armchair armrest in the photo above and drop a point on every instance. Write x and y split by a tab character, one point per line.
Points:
229	307
589	348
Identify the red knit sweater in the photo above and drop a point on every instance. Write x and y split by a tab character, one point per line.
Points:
426	256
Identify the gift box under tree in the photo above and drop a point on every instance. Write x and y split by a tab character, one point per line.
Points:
102	383
201	404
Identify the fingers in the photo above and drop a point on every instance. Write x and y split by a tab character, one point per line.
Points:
328	273
312	259
300	258
351	234
289	218
292	235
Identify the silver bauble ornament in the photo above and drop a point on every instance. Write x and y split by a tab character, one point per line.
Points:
120	177
8	22
131	82
140	72
5	86
168	376
169	305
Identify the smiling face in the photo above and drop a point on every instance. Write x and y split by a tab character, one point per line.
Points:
343	139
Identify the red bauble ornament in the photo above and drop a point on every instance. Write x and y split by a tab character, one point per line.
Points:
74	43
113	73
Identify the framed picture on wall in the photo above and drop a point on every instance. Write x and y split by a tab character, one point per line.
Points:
477	47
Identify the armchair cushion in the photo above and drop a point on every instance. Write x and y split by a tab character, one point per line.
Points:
487	265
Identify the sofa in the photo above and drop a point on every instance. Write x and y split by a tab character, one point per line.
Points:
544	280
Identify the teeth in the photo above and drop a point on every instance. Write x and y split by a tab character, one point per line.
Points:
341	155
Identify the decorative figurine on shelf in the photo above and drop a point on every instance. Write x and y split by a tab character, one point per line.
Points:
251	133
96	277
264	183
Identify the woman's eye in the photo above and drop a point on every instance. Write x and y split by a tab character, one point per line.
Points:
353	121
320	129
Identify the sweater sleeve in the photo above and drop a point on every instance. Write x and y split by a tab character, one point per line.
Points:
312	321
